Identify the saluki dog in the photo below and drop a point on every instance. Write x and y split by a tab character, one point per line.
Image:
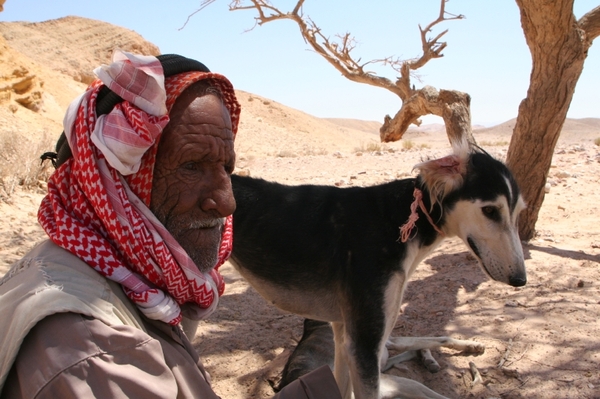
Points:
345	255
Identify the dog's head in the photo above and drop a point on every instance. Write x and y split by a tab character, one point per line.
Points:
481	202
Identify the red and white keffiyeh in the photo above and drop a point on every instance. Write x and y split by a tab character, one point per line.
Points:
97	206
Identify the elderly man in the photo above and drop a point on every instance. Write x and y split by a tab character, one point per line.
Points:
138	215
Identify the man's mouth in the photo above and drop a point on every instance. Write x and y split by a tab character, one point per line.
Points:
207	224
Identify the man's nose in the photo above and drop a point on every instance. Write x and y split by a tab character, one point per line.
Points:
220	198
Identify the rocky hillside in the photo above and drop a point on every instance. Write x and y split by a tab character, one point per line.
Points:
73	46
43	66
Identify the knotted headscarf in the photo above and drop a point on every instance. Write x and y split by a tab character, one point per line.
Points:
97	206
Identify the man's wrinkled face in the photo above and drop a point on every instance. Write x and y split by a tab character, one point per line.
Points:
191	192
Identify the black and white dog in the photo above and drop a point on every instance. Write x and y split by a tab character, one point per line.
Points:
345	255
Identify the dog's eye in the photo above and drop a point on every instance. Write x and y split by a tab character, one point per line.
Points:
491	212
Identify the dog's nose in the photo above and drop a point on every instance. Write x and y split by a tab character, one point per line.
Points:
517	281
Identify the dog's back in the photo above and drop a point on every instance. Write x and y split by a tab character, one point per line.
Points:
308	247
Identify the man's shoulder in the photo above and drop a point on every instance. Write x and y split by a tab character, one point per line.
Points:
48	262
81	353
49	277
49	280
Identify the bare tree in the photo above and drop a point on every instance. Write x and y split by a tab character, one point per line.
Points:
559	45
453	106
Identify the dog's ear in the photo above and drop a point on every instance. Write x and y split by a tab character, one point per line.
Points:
444	175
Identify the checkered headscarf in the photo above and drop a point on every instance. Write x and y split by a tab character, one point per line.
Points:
97	206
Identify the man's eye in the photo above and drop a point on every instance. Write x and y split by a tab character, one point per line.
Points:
191	166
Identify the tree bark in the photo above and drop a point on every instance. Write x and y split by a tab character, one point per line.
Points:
558	46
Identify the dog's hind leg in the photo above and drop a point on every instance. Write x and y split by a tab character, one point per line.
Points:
341	371
412	346
428	361
415	343
424	354
391	386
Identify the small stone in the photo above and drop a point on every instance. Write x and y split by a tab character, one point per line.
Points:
511	304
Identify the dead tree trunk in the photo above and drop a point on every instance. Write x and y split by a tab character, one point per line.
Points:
559	45
453	106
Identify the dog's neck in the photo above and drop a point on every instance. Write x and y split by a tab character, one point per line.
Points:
428	218
407	228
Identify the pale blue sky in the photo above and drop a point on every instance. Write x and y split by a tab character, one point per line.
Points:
486	55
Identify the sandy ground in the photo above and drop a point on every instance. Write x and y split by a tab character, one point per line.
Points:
546	334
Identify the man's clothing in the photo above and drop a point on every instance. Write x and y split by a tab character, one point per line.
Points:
70	332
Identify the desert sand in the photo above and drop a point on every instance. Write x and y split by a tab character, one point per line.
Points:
542	340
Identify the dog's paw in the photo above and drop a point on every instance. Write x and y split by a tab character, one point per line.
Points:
429	362
431	365
474	348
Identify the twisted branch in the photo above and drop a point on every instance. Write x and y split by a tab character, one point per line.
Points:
590	23
452	106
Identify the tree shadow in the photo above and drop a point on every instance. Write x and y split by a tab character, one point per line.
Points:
563	253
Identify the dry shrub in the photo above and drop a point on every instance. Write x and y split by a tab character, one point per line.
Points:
286	154
309	150
408	145
371	146
20	163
